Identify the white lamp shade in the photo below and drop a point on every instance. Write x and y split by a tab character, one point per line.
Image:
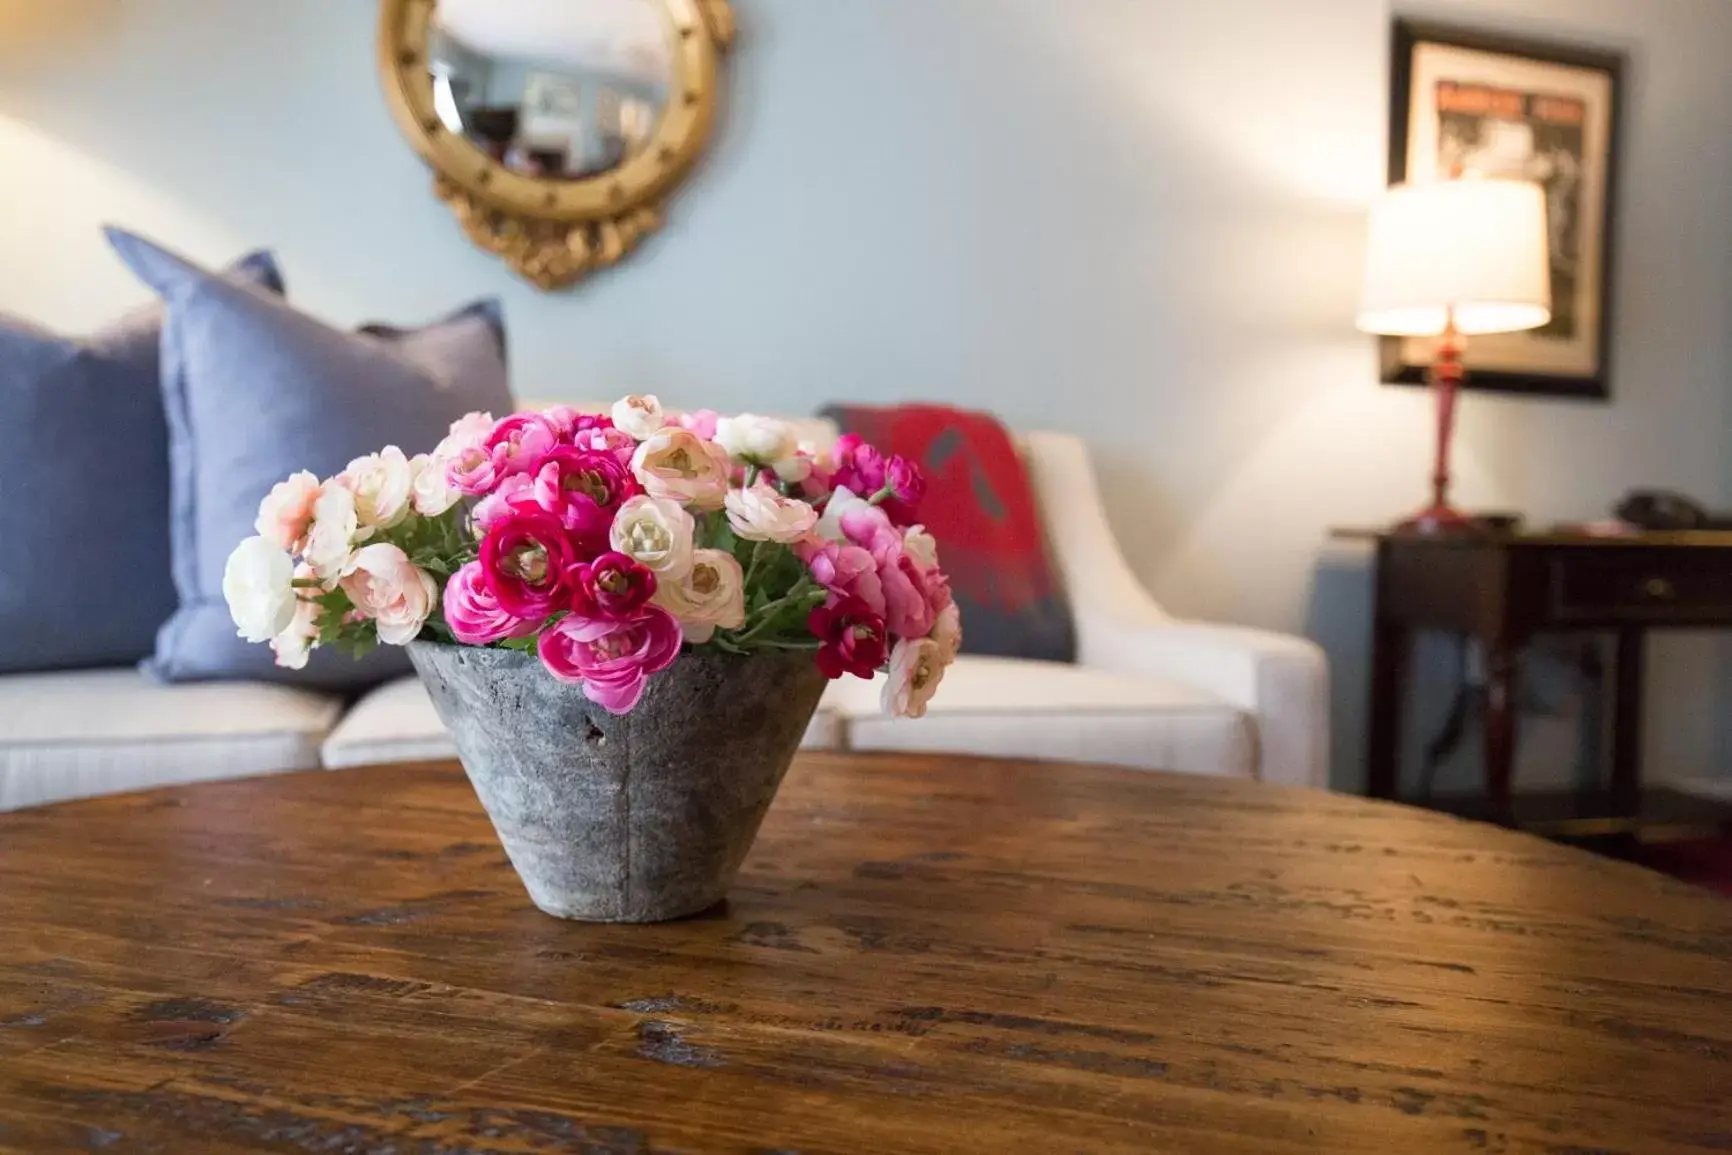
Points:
1473	247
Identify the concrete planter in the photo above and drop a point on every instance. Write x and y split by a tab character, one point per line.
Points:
637	818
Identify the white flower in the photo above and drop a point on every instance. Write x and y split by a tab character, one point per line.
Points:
296	642
430	486
383	484
763	440
286	511
796	467
916	668
947	632
711	597
679	465
388	588
638	416
921	546
762	514
657	533
332	538
258	583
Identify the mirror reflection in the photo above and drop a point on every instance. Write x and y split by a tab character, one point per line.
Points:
564	89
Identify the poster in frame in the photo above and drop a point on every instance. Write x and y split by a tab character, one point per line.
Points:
1464	102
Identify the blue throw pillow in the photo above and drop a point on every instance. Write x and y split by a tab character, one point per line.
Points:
84	543
255	390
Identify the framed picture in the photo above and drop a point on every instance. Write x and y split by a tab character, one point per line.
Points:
1463	103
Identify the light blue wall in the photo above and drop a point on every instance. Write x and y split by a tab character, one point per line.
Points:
1139	220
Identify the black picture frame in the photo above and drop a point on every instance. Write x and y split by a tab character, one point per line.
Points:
1407	38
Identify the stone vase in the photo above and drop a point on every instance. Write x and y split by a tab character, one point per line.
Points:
634	818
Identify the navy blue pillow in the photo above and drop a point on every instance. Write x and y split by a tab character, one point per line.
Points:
84	545
255	390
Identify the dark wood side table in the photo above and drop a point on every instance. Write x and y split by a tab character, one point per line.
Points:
1501	590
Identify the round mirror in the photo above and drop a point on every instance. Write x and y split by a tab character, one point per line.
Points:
564	89
555	128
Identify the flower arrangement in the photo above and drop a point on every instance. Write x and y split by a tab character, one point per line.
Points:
604	544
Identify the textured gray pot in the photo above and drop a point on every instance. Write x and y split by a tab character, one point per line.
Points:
635	818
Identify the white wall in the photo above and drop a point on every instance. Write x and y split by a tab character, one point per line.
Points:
1140	220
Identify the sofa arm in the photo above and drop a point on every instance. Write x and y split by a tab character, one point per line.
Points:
1282	681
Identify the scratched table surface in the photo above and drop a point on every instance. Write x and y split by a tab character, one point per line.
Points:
921	955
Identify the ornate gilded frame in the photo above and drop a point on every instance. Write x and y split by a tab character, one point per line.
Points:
555	232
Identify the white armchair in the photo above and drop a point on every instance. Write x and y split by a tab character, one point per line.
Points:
1147	690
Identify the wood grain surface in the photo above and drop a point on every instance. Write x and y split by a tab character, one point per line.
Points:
922	955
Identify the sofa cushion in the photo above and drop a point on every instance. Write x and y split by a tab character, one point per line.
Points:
84	489
255	390
81	733
1013	708
397	723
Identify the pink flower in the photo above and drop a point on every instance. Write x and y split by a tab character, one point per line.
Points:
473	471
702	422
847	571
508	493
606	439
907	485
286	513
612	587
908	609
857	465
612	660
583	489
473	612
389	589
564	419
524	559
519	441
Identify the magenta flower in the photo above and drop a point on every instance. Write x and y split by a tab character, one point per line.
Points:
518	442
583	489
612	660
613	587
524	560
856	465
851	638
606	439
473	612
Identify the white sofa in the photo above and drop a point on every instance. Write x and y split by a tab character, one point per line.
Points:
1147	691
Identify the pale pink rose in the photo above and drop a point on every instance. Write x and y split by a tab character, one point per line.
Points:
295	643
655	532
333	536
383	484
467	432
947	632
287	510
908	599
472	470
711	597
565	419
430	490
681	466
639	416
916	667
762	514
387	588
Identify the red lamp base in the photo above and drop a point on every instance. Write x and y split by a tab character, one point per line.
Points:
1437	519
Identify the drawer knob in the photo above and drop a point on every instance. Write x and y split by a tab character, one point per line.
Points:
1658	589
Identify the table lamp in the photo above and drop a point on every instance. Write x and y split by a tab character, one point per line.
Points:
1452	259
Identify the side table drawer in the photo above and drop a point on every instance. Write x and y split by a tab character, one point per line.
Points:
1640	585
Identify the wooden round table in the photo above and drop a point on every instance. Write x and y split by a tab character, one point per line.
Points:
922	955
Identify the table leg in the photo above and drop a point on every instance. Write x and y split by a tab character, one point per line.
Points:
1627	724
1389	649
1501	707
